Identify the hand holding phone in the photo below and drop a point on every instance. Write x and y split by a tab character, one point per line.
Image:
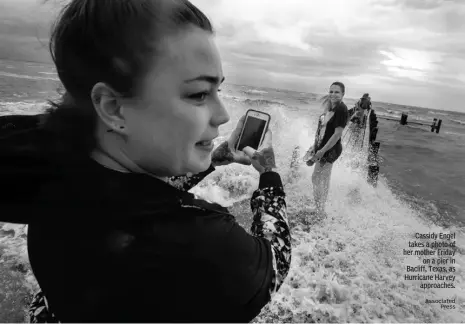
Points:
254	129
263	159
226	152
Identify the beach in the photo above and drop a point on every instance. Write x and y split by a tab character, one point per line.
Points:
349	267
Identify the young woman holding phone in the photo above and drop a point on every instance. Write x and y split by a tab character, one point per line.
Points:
102	179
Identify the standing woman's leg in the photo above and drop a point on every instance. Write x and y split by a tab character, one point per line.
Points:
325	180
320	179
316	181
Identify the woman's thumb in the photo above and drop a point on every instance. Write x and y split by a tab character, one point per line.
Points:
249	151
243	158
268	137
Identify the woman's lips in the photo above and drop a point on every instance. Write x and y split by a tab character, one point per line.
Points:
205	145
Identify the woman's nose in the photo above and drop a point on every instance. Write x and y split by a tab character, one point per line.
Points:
220	114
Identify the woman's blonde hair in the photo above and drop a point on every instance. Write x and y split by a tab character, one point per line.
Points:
325	103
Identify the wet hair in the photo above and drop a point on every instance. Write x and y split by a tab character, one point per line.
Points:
325	102
109	41
341	85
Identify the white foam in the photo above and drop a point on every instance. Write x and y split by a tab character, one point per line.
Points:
22	107
371	224
253	91
30	77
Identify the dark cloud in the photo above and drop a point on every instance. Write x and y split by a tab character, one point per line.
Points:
421	4
337	49
227	30
445	19
283	59
24	48
437	16
454	22
351	51
418	4
25	18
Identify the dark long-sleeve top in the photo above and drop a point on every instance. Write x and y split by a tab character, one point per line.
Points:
107	246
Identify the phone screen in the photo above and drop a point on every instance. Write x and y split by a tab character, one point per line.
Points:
252	134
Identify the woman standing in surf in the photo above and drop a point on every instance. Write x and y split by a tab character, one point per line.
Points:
327	146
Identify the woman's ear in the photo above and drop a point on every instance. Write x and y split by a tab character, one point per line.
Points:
108	106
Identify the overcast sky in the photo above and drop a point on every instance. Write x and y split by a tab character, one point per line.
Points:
401	51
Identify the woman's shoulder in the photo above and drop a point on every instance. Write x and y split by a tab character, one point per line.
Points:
342	106
341	110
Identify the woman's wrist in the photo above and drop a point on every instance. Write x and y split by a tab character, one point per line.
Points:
265	170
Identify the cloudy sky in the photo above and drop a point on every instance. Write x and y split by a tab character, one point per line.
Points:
401	51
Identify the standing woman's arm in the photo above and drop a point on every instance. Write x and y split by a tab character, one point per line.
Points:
340	122
333	140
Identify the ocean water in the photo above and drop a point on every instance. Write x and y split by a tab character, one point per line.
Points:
349	267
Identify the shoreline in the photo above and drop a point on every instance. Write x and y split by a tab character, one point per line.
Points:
440	218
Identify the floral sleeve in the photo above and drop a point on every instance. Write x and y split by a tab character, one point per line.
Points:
270	222
187	182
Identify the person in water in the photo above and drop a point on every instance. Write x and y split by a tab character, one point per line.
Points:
327	147
356	114
365	101
102	181
356	125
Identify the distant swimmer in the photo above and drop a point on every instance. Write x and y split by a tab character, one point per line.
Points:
327	146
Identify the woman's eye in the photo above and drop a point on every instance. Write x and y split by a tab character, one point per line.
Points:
200	96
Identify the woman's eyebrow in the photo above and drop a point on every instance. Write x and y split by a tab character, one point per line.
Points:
207	78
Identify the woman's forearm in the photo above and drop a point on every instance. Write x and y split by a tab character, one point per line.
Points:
332	141
314	145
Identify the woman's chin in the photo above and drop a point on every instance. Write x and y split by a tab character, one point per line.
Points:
202	164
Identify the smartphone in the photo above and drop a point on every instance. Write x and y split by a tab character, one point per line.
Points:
254	129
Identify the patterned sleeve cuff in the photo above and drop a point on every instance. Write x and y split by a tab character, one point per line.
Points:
187	182
270	179
270	222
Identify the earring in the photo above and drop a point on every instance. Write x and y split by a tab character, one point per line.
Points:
111	130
